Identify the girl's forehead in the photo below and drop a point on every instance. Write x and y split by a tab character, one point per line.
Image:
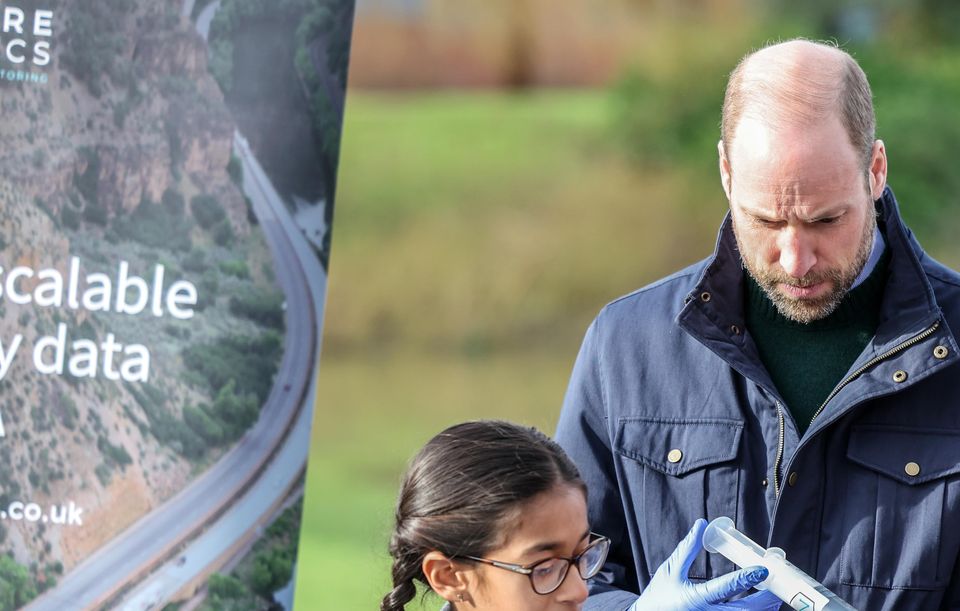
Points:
555	520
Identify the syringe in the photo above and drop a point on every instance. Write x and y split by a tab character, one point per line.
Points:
787	582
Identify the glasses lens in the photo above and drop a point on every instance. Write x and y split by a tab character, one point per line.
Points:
593	558
548	575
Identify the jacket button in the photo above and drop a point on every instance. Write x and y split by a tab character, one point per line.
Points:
764	483
735	329
940	352
704	296
792	480
899	376
912	469
674	456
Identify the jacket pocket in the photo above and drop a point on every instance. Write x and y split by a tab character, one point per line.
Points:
899	483
675	472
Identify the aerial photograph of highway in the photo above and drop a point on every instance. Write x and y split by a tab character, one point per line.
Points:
166	198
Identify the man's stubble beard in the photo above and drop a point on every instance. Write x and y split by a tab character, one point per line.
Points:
808	310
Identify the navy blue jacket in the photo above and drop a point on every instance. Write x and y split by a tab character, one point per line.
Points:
671	416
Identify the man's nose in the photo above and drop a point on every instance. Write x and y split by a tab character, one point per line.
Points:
797	255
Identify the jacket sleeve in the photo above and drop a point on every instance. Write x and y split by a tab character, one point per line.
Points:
584	433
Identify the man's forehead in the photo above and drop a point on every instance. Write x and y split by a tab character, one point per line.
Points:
764	195
792	186
793	161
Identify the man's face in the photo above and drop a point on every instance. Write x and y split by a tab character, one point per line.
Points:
802	211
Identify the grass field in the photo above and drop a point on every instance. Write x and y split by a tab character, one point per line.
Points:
475	237
390	408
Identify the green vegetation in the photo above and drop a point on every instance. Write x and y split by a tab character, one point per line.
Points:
113	454
203	427
162	225
671	119
207	210
503	215
227	593
321	22
223	234
209	429
249	363
235	170
70	217
95	42
220	62
229	416
167	429
263	307
267	568
87	181
235	267
195	261
207	287
912	91
211	216
307	22
66	410
235	412
17	587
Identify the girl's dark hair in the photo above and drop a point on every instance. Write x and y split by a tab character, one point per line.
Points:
462	488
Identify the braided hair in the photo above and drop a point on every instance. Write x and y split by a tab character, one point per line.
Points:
461	490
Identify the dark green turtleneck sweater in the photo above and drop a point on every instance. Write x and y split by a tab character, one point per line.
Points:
807	361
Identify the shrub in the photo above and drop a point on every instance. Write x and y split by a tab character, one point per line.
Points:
235	267
207	210
70	218
250	362
262	307
156	226
223	234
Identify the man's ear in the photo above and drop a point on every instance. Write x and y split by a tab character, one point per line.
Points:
448	579
725	176
878	169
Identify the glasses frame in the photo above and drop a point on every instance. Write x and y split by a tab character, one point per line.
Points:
527	569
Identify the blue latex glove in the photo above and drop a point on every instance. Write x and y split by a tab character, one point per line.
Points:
671	590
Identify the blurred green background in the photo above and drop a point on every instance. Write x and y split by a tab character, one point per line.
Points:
507	168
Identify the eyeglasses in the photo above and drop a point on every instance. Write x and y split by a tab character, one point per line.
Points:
547	575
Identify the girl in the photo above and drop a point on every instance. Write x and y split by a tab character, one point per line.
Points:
493	516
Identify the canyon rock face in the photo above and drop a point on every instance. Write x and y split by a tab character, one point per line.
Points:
82	153
153	119
181	54
124	177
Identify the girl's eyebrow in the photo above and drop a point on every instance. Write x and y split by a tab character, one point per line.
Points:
551	546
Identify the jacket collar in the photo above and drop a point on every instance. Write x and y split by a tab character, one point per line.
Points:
714	310
913	306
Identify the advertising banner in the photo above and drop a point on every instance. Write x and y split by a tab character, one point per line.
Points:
166	194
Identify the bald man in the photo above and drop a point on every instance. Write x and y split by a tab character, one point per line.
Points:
802	381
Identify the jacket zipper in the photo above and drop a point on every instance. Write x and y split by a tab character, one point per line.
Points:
780	444
896	349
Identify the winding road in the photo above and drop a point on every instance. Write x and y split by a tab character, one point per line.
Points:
242	480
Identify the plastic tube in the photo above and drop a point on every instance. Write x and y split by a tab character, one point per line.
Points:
787	582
